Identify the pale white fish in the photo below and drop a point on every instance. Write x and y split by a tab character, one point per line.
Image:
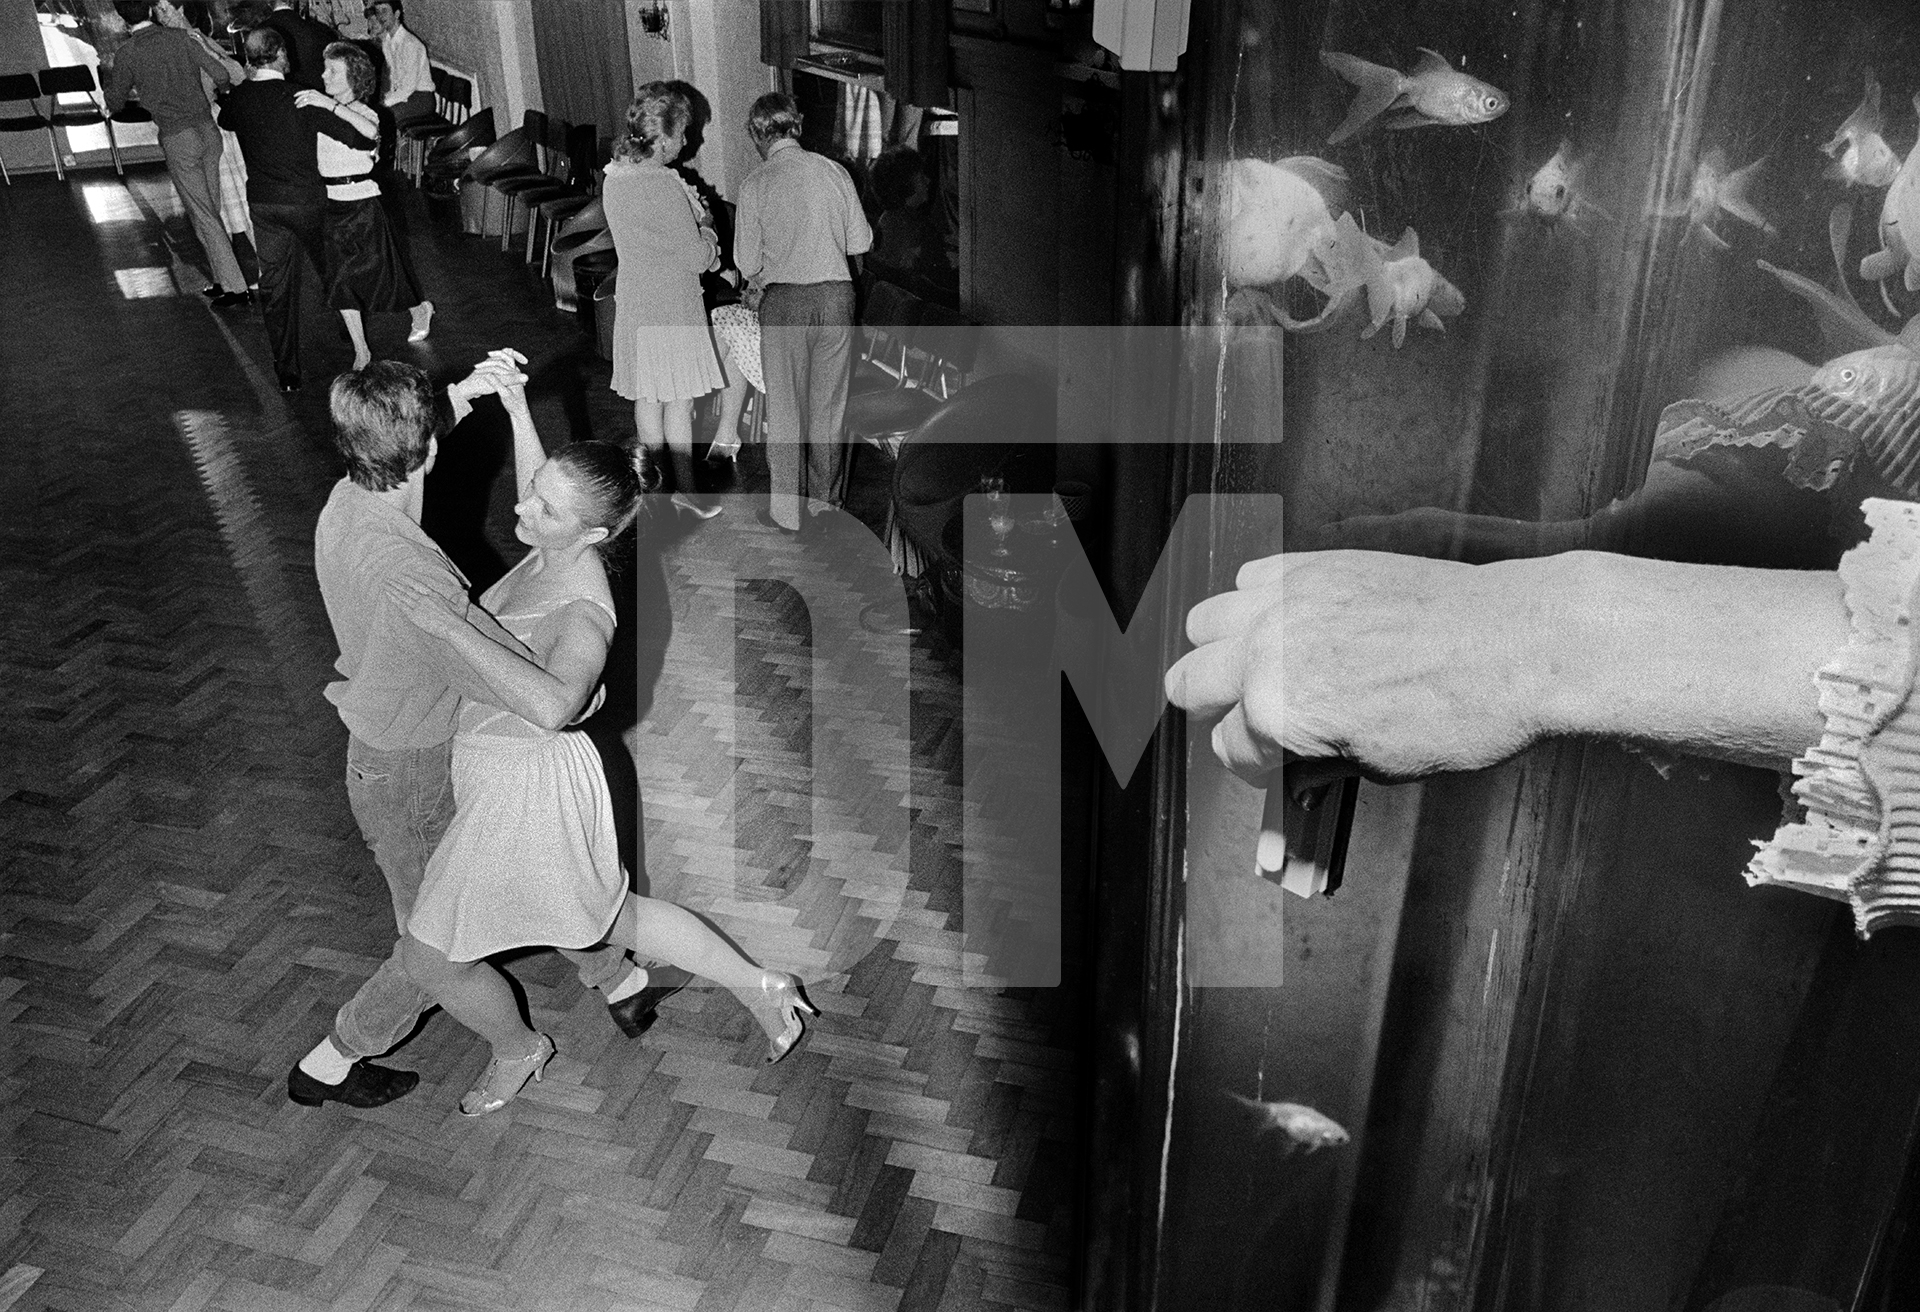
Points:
1556	193
1303	1126
1279	213
1434	93
1899	253
1860	154
1401	286
1715	190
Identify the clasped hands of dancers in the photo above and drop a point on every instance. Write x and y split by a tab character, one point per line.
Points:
529	855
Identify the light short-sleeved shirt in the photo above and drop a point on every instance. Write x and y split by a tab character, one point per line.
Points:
408	68
393	693
797	219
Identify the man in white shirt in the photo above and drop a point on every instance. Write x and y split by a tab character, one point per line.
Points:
797	223
409	75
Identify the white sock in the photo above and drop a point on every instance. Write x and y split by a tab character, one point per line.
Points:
325	1063
635	981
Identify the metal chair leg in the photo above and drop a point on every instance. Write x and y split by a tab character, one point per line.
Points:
53	144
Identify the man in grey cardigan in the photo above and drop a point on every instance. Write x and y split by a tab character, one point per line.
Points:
163	66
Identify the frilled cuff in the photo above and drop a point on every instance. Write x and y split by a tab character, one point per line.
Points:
1860	840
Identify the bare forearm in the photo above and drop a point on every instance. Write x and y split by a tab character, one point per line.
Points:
528	453
1711	660
500	677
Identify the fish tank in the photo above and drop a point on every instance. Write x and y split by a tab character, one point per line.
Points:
1495	280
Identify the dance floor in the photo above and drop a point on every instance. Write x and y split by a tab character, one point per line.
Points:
187	899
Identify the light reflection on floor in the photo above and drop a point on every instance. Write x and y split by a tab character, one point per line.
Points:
115	202
137	284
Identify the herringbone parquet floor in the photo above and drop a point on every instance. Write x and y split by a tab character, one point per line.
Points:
187	898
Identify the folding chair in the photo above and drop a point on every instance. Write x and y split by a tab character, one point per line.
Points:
77	80
21	88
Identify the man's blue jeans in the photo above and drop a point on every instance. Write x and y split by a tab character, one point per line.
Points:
403	803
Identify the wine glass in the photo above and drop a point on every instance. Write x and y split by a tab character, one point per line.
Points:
999	511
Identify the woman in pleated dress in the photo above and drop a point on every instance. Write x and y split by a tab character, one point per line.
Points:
663	352
531	857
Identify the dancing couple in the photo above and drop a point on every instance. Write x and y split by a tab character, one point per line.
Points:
506	840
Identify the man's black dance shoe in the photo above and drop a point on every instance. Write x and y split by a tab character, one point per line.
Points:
636	1014
366	1085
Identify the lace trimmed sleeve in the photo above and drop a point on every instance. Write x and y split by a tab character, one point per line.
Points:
1859	841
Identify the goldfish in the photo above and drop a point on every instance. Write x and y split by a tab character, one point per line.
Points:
1715	189
1899	252
1279	214
1435	92
1861	156
1554	193
1302	1125
1400	285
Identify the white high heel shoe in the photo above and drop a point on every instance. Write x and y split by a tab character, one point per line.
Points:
782	1009
502	1081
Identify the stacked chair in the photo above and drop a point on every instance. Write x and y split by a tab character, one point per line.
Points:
513	156
453	104
549	207
914	355
584	240
449	155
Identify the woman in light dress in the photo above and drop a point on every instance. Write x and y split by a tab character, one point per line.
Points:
531	857
663	353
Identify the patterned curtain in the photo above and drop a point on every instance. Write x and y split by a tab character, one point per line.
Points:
585	75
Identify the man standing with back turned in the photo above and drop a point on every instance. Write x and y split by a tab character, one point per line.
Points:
163	65
798	221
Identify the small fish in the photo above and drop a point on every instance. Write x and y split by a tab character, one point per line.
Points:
1302	1125
1899	253
1861	156
1435	92
1715	189
1278	213
1401	286
1554	193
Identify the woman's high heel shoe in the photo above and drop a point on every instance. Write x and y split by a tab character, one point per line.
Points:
504	1080
782	1009
422	322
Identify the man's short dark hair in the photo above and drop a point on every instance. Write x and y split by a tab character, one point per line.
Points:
773	116
384	420
264	45
134	12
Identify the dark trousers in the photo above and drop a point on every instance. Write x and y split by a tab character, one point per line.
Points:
806	359
284	234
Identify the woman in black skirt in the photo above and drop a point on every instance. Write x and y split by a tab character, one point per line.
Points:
366	270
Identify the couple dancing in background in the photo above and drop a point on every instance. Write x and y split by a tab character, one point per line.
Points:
312	192
507	839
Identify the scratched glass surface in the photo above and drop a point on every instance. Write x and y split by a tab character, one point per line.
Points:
1549	276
